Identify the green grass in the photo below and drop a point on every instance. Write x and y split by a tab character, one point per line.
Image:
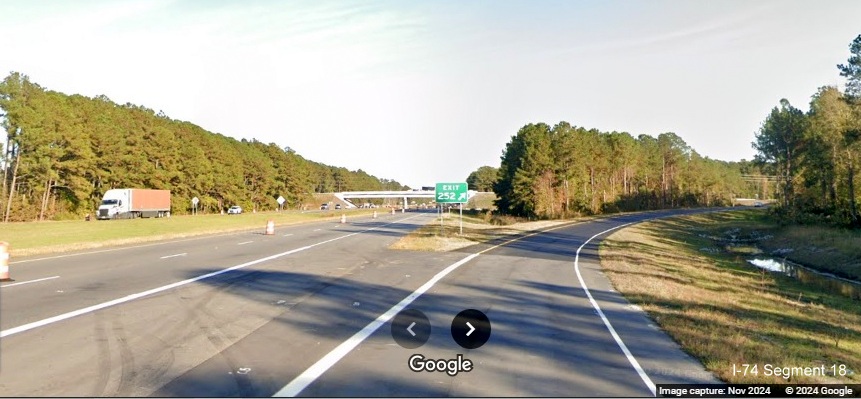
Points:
834	250
726	312
829	249
33	238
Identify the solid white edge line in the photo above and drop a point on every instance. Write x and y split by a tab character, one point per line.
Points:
100	251
298	384
631	358
28	282
312	373
245	242
89	309
180	239
122	248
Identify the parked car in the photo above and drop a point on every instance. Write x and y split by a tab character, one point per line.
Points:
324	207
234	210
337	206
757	204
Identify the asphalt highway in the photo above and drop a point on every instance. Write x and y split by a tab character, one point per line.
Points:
308	312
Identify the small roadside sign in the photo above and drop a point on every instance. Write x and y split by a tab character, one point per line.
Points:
280	200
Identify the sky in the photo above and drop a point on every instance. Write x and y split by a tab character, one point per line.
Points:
428	91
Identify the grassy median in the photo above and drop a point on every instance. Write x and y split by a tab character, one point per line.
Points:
728	313
477	228
34	238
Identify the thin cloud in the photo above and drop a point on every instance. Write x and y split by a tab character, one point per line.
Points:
721	29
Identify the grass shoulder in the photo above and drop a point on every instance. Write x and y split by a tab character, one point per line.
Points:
728	313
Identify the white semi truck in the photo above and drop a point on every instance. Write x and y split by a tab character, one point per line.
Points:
130	203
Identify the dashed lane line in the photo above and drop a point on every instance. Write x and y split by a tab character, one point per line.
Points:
173	256
28	282
128	298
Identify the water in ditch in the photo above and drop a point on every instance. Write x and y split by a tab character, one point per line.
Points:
829	282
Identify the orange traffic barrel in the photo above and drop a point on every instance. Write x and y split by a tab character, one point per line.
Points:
4	261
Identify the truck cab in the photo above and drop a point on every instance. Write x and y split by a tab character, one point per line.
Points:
115	204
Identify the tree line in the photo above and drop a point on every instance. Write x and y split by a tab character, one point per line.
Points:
565	170
817	154
62	152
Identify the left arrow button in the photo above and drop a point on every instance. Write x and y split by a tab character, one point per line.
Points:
411	328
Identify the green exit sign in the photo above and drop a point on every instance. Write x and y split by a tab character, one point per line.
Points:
451	193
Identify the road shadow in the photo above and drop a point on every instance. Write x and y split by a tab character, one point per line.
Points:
550	323
531	320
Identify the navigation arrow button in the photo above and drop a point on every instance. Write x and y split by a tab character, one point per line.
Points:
470	329
411	328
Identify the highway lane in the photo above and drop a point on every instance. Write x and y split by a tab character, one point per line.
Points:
547	339
62	283
121	350
250	332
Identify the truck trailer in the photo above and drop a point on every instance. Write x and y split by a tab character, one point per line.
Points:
130	203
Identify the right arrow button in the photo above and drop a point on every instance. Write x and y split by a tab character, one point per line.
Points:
470	329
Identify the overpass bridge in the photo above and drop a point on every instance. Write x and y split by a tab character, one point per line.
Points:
347	196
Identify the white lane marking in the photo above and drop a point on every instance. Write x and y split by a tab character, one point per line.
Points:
28	282
316	229
631	358
90	309
288	234
246	242
130	247
312	373
308	376
201	237
173	256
